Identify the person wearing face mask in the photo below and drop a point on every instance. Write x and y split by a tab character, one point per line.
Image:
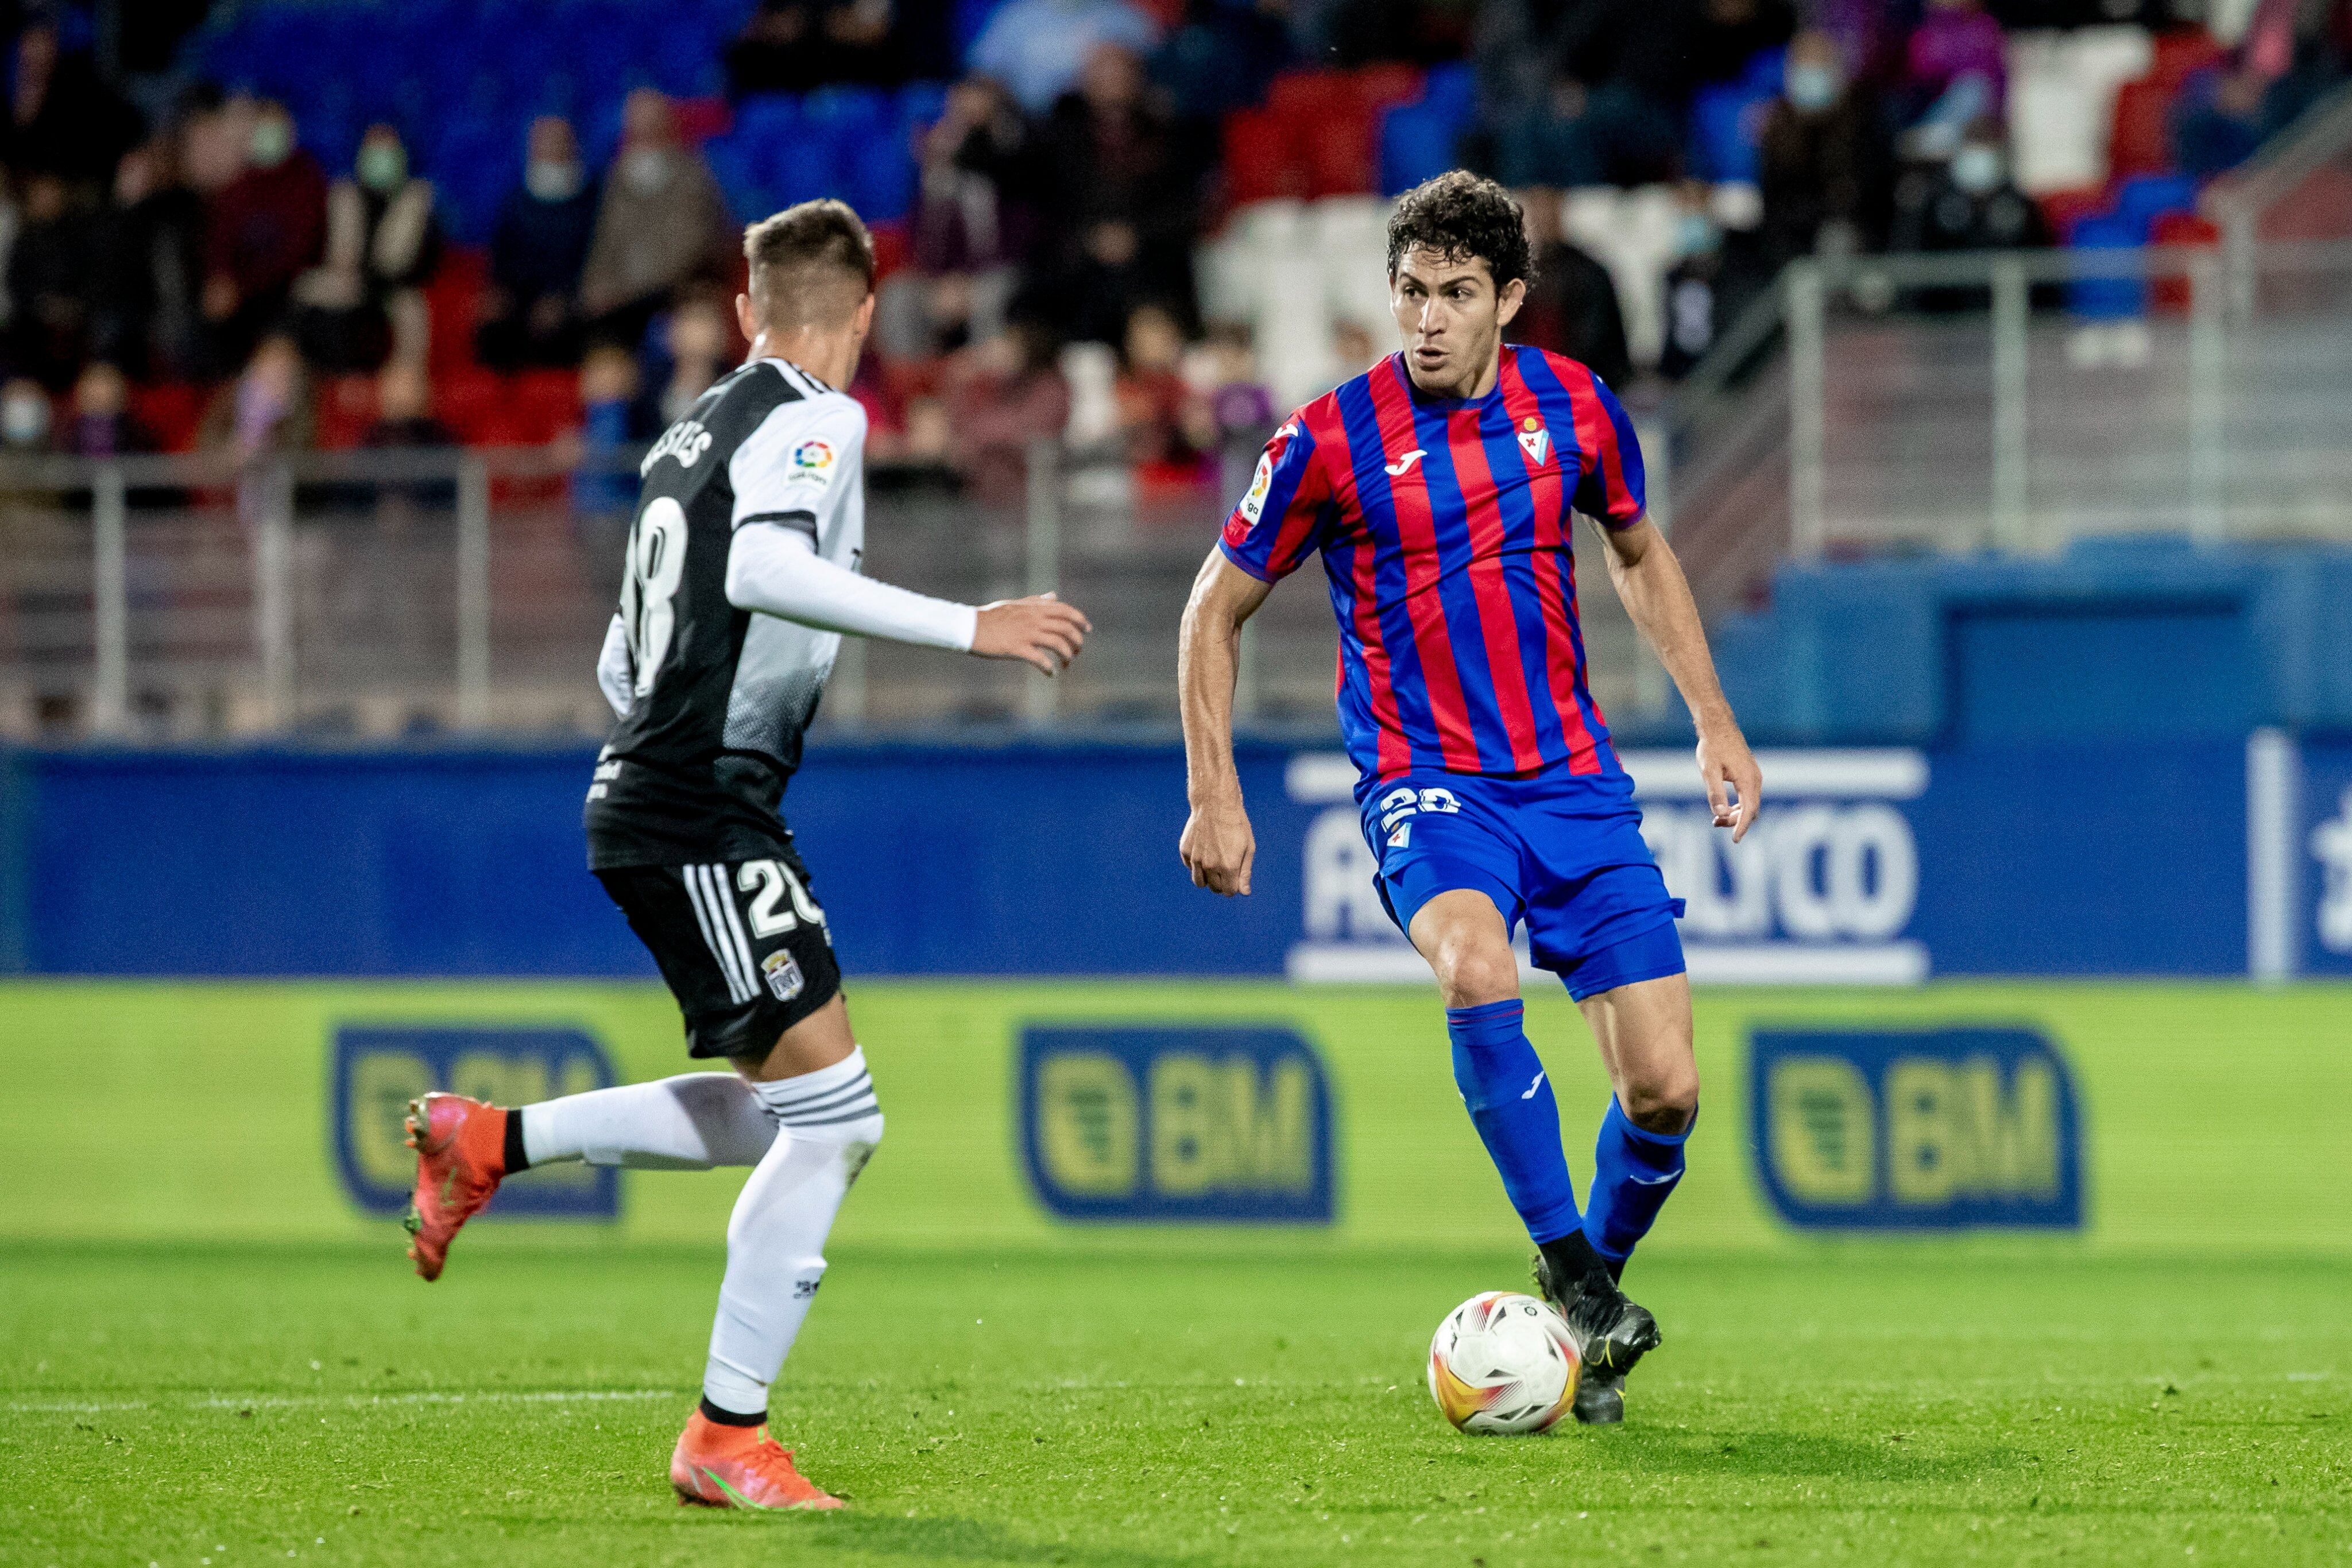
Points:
1822	161
363	302
262	230
1715	276
530	313
1970	204
25	416
661	224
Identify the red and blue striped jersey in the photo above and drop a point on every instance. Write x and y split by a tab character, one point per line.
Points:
1446	532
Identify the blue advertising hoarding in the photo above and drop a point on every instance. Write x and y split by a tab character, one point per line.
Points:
1866	867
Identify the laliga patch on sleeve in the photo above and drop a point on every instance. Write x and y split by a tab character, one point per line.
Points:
813	458
1254	504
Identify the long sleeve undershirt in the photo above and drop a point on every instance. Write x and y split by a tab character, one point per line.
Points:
775	569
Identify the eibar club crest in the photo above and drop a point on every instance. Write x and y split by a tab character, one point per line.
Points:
1534	441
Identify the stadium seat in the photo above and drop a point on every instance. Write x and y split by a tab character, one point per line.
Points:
2179	52
1351	236
470	400
1259	164
2142	199
345	408
2140	141
2062	209
170	411
2174	294
544	404
1417	143
2105	298
452	300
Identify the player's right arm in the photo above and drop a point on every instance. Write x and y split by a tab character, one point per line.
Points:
1277	525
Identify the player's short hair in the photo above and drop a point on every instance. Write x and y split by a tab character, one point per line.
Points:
1460	215
811	264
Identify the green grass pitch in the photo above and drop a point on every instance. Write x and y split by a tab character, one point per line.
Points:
1250	1404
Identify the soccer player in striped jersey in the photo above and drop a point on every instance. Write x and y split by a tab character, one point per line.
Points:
744	574
1439	487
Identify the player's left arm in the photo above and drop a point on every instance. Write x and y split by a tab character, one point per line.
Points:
1651	582
1611	490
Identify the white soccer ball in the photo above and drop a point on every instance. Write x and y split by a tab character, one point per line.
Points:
1503	1363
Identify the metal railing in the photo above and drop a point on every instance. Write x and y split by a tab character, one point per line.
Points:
2018	400
372	595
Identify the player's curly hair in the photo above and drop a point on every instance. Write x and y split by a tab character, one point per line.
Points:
1460	215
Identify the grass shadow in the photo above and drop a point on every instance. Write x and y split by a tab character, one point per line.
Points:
1763	1454
920	1540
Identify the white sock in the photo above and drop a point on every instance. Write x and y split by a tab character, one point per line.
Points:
829	1123
693	1122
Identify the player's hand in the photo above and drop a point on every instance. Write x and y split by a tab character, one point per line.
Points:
1041	632
1734	785
1218	847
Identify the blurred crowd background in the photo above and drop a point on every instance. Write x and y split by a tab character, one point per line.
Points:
1147	226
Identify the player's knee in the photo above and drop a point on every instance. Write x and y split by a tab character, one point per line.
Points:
1474	972
1662	1102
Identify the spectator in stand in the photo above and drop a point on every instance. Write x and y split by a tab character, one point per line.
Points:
1957	73
62	119
530	312
972	220
1223	57
1970	204
1823	159
215	134
267	409
1002	395
404	410
24	417
662	225
798	45
101	425
145	279
1713	279
614	421
1152	398
1571	307
49	271
1233	412
365	300
700	345
1121	201
262	230
1040	48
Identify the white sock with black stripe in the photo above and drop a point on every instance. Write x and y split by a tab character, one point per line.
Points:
828	1122
692	1122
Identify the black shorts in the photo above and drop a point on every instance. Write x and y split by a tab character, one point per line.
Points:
743	946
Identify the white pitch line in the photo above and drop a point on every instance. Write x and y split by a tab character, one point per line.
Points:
348	1400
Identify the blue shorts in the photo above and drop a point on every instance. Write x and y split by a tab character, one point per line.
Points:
1561	852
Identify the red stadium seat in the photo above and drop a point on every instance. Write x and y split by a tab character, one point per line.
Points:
170	411
2061	209
2179	51
1386	85
471	402
2138	142
346	409
545	404
453	298
700	119
1259	162
2173	294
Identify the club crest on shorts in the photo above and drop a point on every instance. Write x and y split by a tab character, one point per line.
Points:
1536	441
785	976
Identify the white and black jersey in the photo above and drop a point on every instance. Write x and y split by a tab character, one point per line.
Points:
713	698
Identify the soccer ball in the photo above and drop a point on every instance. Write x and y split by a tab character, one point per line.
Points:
1503	1363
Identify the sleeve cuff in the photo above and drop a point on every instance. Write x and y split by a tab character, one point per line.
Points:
1261	573
801	521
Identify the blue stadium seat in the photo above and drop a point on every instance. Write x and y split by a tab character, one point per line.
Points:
739	174
1417	143
2107	298
1452	88
2144	198
921	102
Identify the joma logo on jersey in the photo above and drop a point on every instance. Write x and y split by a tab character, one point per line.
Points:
378	1069
1176	1124
686	441
1404	465
1916	1129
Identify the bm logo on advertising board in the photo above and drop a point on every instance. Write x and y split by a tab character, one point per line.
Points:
379	1068
1916	1129
1159	1123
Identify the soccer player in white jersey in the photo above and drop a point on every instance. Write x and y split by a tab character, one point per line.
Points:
742	577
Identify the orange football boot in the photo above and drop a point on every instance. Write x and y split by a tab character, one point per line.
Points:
738	1467
461	1157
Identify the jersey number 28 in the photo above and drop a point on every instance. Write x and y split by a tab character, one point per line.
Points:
656	565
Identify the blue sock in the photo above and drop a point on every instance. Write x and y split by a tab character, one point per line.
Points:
1510	1103
1634	1170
